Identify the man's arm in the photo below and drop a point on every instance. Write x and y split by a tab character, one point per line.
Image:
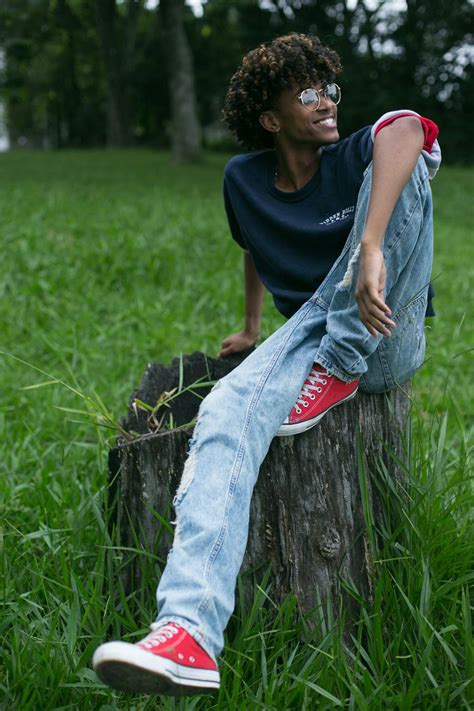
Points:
396	151
254	292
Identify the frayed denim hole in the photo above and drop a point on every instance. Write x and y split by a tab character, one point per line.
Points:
348	278
186	477
186	481
194	436
188	469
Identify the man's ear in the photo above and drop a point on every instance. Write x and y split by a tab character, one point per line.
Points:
269	121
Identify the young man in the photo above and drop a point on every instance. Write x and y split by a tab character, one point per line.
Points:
340	232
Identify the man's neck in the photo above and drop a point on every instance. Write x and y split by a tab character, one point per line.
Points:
296	167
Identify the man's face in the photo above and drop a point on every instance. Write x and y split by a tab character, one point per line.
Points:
300	125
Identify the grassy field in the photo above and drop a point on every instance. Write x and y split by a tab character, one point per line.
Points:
113	259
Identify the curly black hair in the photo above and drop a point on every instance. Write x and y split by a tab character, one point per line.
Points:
293	59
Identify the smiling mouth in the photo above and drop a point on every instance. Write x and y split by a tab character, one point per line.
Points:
329	122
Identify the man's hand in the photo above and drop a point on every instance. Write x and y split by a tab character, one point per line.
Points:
237	342
373	310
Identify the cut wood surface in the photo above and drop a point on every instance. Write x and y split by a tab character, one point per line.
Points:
307	515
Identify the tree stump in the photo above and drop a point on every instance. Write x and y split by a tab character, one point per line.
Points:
315	496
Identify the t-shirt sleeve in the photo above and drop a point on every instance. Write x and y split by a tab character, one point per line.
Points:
431	151
360	147
354	154
232	219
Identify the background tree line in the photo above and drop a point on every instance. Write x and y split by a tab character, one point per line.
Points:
81	73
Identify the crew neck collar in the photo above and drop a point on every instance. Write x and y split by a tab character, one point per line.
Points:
294	195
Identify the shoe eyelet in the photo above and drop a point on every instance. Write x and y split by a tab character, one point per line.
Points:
312	396
192	660
180	656
306	404
319	390
324	382
298	410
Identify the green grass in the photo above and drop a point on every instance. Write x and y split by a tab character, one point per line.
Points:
113	259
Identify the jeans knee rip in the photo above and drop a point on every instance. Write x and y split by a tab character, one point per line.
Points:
346	283
186	478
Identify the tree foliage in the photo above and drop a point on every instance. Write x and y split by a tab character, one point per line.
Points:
95	72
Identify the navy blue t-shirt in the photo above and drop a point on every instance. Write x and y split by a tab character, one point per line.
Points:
294	238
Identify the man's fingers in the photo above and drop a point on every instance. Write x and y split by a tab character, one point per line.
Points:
370	300
225	352
381	316
374	310
375	320
377	325
370	328
380	327
377	300
371	294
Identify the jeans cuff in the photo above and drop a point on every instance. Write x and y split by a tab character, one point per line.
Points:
195	633
333	369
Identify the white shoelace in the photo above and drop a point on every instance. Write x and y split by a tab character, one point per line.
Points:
159	633
313	382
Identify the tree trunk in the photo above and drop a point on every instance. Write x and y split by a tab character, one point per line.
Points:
116	57
314	496
185	130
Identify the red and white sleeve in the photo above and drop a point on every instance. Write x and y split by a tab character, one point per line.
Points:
431	150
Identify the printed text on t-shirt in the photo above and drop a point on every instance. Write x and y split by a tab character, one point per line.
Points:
341	215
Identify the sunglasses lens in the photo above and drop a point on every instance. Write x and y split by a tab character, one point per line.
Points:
333	92
309	98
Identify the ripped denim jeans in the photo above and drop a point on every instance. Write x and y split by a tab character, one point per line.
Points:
239	418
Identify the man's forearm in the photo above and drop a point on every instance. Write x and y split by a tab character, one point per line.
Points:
254	293
397	148
396	151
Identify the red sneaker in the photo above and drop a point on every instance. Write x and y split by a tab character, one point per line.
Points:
321	391
168	661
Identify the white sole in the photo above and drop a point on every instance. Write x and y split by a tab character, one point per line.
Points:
293	429
126	667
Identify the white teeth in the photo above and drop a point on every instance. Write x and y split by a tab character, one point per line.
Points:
328	122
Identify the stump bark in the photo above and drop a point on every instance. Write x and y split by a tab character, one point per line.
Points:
311	506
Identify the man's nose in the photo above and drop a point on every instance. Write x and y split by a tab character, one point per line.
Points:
325	102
